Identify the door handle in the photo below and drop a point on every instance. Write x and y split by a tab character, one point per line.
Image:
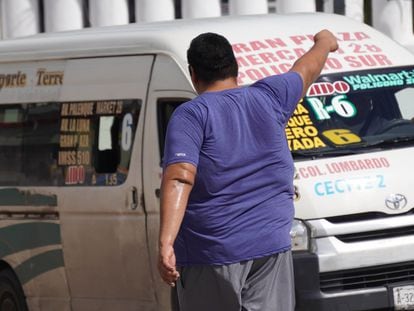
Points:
134	198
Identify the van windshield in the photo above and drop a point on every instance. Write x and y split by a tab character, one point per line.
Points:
354	112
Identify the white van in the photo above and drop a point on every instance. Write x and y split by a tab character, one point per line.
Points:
83	116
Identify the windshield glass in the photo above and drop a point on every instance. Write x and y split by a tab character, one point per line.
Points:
354	112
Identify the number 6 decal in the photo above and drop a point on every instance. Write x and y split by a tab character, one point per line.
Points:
343	106
341	136
126	139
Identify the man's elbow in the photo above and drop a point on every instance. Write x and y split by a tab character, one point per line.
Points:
309	72
183	173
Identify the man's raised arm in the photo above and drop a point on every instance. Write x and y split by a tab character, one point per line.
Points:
310	65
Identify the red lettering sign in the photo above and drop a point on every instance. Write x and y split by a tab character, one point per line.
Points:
327	88
75	175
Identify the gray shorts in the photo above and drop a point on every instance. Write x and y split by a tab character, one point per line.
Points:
265	284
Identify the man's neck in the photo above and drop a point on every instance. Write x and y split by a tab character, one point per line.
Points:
221	85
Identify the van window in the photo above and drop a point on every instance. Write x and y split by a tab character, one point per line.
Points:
405	102
68	143
354	111
165	109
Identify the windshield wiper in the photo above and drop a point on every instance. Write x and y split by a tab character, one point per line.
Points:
390	142
325	153
355	149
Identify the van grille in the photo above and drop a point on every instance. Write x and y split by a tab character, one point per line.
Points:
365	216
378	234
369	277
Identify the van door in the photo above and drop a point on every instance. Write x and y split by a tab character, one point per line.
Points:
169	88
103	218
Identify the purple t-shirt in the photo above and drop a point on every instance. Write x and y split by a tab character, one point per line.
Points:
241	204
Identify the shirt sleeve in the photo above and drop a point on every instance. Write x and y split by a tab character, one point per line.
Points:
184	137
286	90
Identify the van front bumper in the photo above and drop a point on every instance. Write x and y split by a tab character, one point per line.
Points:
309	295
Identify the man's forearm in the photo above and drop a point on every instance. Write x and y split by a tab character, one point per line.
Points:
175	190
174	197
313	62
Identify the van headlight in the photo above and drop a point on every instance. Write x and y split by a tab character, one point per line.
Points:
299	235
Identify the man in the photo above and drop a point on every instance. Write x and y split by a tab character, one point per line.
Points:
227	187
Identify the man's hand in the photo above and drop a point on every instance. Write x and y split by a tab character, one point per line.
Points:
166	265
328	37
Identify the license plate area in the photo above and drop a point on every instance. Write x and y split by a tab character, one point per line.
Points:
403	297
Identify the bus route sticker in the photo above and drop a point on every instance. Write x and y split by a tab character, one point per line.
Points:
403	297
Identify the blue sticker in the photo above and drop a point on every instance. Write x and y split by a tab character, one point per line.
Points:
349	185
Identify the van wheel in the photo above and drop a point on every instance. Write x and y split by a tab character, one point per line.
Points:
11	293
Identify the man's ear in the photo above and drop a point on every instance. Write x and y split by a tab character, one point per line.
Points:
196	83
192	74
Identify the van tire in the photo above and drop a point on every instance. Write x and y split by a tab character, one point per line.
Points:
11	293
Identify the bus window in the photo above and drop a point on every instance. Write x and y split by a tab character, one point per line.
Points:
405	102
165	109
67	144
28	144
